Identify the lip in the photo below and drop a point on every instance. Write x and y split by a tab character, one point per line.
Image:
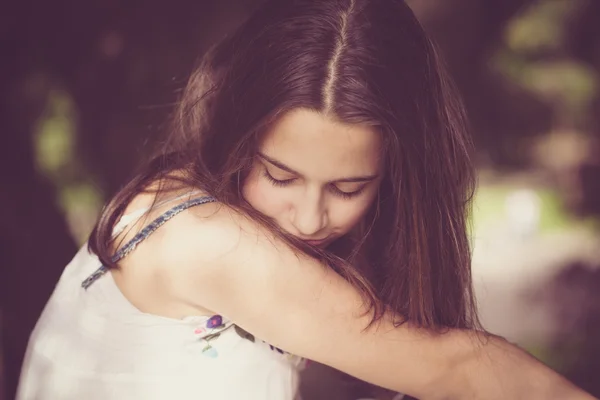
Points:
316	242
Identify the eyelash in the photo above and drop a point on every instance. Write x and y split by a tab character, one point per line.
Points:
334	190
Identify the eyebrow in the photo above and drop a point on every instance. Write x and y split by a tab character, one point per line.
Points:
354	179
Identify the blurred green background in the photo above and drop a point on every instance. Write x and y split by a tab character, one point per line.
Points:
87	86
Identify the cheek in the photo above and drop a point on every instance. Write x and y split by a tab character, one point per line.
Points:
346	215
263	196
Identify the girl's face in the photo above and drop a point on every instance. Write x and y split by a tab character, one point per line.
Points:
314	176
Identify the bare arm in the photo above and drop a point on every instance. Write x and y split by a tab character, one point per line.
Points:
231	265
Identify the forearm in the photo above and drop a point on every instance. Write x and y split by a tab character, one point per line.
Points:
490	367
461	365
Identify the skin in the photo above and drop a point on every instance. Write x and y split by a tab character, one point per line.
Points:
314	176
211	259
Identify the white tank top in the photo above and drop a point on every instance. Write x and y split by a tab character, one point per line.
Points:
91	343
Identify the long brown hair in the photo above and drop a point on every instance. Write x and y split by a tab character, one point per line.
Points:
359	61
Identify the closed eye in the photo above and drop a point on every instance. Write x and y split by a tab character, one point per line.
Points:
346	195
277	182
334	189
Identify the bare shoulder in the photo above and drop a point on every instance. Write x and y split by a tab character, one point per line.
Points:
214	244
211	233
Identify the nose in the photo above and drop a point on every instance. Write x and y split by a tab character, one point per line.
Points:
309	216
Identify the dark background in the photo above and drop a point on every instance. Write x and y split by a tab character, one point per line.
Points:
85	85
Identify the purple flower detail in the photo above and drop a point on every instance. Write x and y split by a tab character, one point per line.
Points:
214	322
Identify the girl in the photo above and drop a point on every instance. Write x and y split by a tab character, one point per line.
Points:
309	203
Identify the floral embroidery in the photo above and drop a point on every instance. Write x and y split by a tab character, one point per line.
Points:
212	330
210	351
215	321
199	331
243	334
277	349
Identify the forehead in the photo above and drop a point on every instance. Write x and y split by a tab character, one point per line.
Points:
312	143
